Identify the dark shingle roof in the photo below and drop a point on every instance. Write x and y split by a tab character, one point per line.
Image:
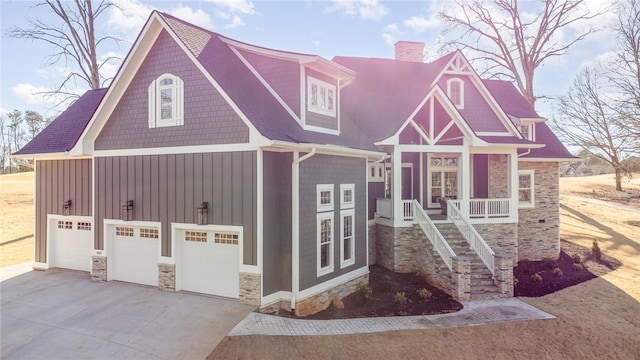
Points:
63	133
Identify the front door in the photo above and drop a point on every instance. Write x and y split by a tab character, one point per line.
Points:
443	178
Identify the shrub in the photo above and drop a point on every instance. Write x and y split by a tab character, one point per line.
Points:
536	278
557	272
425	294
578	267
400	299
364	292
576	259
595	251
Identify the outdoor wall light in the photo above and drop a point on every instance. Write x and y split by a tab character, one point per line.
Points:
66	206
127	211
203	214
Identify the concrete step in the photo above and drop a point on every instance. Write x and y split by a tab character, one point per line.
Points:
481	275
483	288
481	282
486	296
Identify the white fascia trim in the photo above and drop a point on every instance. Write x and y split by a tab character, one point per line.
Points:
259	217
266	84
178	150
145	41
320	129
275	297
268	52
327	149
521	159
533	120
332	283
517	146
47	156
493	133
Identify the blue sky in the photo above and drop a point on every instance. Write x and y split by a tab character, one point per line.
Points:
328	28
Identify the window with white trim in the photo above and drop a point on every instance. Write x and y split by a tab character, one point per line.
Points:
166	101
376	172
86	226
325	197
526	188
527	131
226	238
455	91
65	225
347	238
347	196
148	233
195	236
321	97
124	231
325	243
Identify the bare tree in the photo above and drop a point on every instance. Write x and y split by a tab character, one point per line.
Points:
588	122
35	122
16	132
625	69
73	37
513	42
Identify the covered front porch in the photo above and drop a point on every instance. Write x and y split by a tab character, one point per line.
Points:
481	184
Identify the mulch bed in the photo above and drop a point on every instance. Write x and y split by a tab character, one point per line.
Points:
384	286
576	264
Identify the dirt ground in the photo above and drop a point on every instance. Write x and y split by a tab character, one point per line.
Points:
598	319
16	218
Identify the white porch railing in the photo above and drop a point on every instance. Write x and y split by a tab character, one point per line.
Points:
407	210
383	207
487	208
433	234
472	236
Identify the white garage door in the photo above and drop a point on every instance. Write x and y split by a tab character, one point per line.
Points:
209	262
72	245
135	255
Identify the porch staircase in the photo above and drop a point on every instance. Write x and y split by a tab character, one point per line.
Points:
482	285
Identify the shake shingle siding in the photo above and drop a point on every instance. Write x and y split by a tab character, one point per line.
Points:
56	182
277	222
326	169
168	188
320	120
208	118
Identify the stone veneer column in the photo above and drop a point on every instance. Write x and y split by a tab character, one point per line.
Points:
503	273
167	277
461	278
99	268
250	288
321	301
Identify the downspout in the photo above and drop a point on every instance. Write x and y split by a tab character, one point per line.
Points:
295	224
525	153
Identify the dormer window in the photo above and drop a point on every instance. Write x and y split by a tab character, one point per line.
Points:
527	131
455	91
321	97
166	101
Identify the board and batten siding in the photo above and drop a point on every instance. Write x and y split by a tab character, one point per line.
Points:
208	118
169	188
277	222
327	169
56	182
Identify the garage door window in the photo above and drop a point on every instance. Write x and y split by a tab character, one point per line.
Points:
226	238
84	226
195	236
149	233
65	225
124	231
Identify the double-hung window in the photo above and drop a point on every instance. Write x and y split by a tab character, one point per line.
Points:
347	225
526	188
166	101
321	97
325	228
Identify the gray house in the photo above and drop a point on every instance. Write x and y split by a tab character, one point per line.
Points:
220	167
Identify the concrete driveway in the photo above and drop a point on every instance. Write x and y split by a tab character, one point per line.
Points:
58	314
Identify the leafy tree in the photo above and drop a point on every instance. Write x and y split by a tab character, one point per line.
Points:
35	122
75	41
587	121
514	42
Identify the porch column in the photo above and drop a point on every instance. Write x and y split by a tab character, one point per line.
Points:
396	186
465	181
513	183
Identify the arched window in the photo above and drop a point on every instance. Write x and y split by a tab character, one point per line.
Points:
455	91
166	101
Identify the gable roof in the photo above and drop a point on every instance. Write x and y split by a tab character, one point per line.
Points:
62	134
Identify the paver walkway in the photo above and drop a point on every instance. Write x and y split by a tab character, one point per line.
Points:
474	313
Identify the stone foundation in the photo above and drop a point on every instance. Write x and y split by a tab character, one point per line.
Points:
461	278
98	268
250	289
503	278
539	227
167	277
275	306
395	248
502	238
322	300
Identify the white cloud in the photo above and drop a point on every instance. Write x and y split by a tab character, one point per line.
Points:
389	33
197	17
235	6
236	22
34	95
421	24
365	9
128	16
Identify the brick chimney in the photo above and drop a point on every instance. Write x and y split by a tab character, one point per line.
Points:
410	51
